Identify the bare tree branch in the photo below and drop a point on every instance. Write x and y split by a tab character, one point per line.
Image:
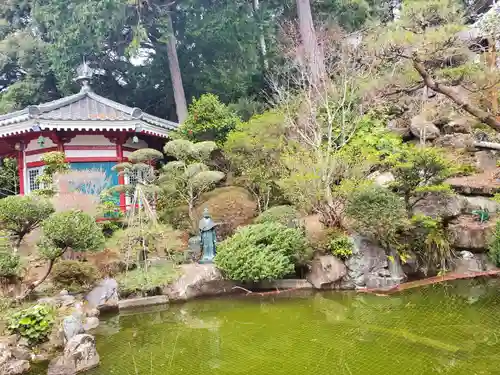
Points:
448	91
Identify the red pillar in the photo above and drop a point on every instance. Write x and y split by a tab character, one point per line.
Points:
121	177
20	168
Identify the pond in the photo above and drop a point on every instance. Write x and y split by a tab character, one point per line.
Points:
441	329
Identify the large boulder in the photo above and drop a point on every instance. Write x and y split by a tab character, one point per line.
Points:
423	129
440	205
486	184
198	280
400	127
325	272
79	355
369	267
468	263
480	203
382	178
459	125
468	233
460	141
486	160
104	296
15	367
72	326
9	364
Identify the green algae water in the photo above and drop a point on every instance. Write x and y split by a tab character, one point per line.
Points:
441	329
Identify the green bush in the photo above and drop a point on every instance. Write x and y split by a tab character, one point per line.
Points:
278	214
19	215
429	241
9	261
378	214
265	251
71	229
159	239
34	323
494	249
74	276
208	120
144	283
341	246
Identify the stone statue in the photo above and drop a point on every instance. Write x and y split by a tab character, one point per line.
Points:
208	237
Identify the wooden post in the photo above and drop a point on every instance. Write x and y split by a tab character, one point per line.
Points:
20	168
120	140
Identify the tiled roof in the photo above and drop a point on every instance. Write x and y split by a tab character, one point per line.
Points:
86	106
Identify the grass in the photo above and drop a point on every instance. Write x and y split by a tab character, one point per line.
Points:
150	282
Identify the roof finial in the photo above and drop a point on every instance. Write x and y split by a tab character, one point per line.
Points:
85	73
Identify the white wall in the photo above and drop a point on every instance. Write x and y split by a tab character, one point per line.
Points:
90	140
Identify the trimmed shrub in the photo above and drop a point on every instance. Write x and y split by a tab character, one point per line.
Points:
9	261
279	214
378	214
19	215
494	249
146	283
265	251
341	246
73	230
34	323
74	276
230	207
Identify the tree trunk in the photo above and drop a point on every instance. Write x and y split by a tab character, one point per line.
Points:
34	285
262	39
485	117
313	53
175	73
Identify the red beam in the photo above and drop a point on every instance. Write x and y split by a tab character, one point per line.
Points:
42	150
78	160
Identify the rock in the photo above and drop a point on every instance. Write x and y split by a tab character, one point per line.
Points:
459	125
485	184
440	205
461	141
486	160
466	255
198	280
369	267
63	292
5	354
423	129
15	367
79	355
282	284
104	296
72	326
382	179
468	263
21	352
10	340
67	300
468	233
135	303
480	203
23	342
55	342
325	272
90	323
399	127
194	247
92	313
